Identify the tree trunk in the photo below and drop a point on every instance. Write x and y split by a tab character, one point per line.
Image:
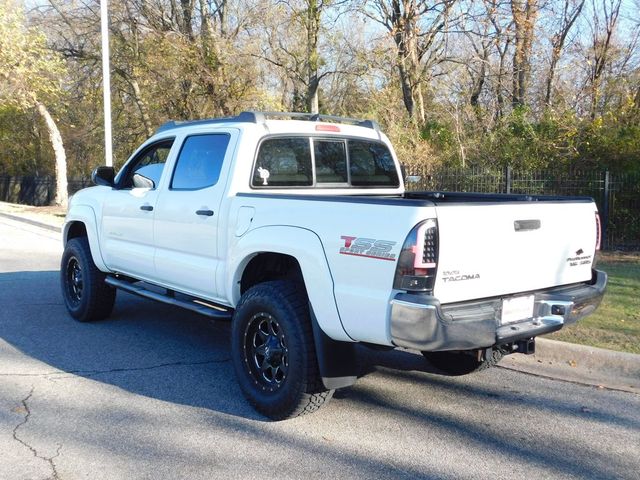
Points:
524	18
142	106
62	196
409	68
313	82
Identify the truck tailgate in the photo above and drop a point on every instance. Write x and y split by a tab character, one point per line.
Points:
489	250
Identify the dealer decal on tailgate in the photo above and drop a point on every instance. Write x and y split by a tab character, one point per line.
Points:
368	247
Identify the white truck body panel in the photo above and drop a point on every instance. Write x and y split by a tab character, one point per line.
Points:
351	294
482	255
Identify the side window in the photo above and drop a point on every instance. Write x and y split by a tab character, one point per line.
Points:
200	162
371	164
283	162
146	170
331	161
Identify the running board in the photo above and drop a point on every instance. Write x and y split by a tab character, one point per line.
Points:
202	307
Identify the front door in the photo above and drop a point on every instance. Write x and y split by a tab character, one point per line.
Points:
128	213
187	215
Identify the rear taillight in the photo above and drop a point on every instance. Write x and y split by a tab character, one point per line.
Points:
416	270
598	232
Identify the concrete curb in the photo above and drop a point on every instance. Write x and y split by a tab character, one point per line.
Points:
35	223
581	364
622	363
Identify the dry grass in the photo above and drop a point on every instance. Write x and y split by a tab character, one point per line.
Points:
51	215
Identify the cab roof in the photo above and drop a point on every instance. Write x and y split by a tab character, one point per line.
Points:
263	117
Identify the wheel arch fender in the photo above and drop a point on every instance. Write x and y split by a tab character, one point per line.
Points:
84	215
307	249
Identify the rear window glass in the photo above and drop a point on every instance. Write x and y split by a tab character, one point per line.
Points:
339	162
331	161
283	162
200	162
371	164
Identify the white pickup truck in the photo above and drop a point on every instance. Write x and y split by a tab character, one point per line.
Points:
298	229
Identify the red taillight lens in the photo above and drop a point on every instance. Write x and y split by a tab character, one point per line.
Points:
598	232
416	269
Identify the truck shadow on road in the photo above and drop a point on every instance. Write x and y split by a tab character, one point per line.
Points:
167	354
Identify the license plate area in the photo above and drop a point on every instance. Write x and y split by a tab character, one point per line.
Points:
516	309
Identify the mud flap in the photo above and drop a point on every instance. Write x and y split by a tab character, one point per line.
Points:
337	361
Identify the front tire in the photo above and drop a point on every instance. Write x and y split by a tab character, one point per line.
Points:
462	362
273	351
86	295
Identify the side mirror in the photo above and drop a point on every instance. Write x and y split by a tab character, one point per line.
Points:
413	179
104	176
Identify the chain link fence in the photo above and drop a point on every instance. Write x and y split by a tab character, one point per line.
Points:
616	194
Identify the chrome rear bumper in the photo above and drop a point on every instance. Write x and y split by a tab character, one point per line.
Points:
421	322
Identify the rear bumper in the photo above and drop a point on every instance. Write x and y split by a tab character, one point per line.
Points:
420	322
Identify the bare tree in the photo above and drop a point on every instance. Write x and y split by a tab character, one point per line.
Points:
571	10
604	20
418	29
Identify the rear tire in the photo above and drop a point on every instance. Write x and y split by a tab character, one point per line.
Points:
462	362
86	295
273	351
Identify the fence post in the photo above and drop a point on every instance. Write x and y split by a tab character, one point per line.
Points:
507	179
605	211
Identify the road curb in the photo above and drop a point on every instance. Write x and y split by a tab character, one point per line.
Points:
594	366
622	363
35	223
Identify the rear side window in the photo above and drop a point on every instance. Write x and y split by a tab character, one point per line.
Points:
200	162
371	164
283	162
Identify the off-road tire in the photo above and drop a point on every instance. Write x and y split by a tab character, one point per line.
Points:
462	362
85	293
282	381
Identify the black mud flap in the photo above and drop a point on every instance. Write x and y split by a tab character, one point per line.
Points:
337	361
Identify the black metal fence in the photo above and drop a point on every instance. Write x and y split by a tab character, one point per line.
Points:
36	191
616	194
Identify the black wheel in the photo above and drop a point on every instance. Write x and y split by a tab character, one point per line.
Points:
462	362
86	295
273	351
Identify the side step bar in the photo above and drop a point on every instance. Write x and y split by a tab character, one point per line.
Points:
190	303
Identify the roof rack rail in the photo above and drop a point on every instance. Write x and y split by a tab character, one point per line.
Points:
244	117
319	117
260	117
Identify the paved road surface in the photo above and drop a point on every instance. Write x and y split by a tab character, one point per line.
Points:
150	394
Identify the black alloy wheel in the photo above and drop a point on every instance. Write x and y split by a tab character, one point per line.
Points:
273	351
265	351
74	281
85	293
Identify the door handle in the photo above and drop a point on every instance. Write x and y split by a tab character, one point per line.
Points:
146	208
206	213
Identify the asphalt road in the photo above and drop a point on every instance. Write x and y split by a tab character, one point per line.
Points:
150	394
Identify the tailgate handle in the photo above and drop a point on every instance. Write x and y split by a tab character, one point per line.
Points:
526	225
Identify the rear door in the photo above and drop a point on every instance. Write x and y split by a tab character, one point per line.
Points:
188	212
488	250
